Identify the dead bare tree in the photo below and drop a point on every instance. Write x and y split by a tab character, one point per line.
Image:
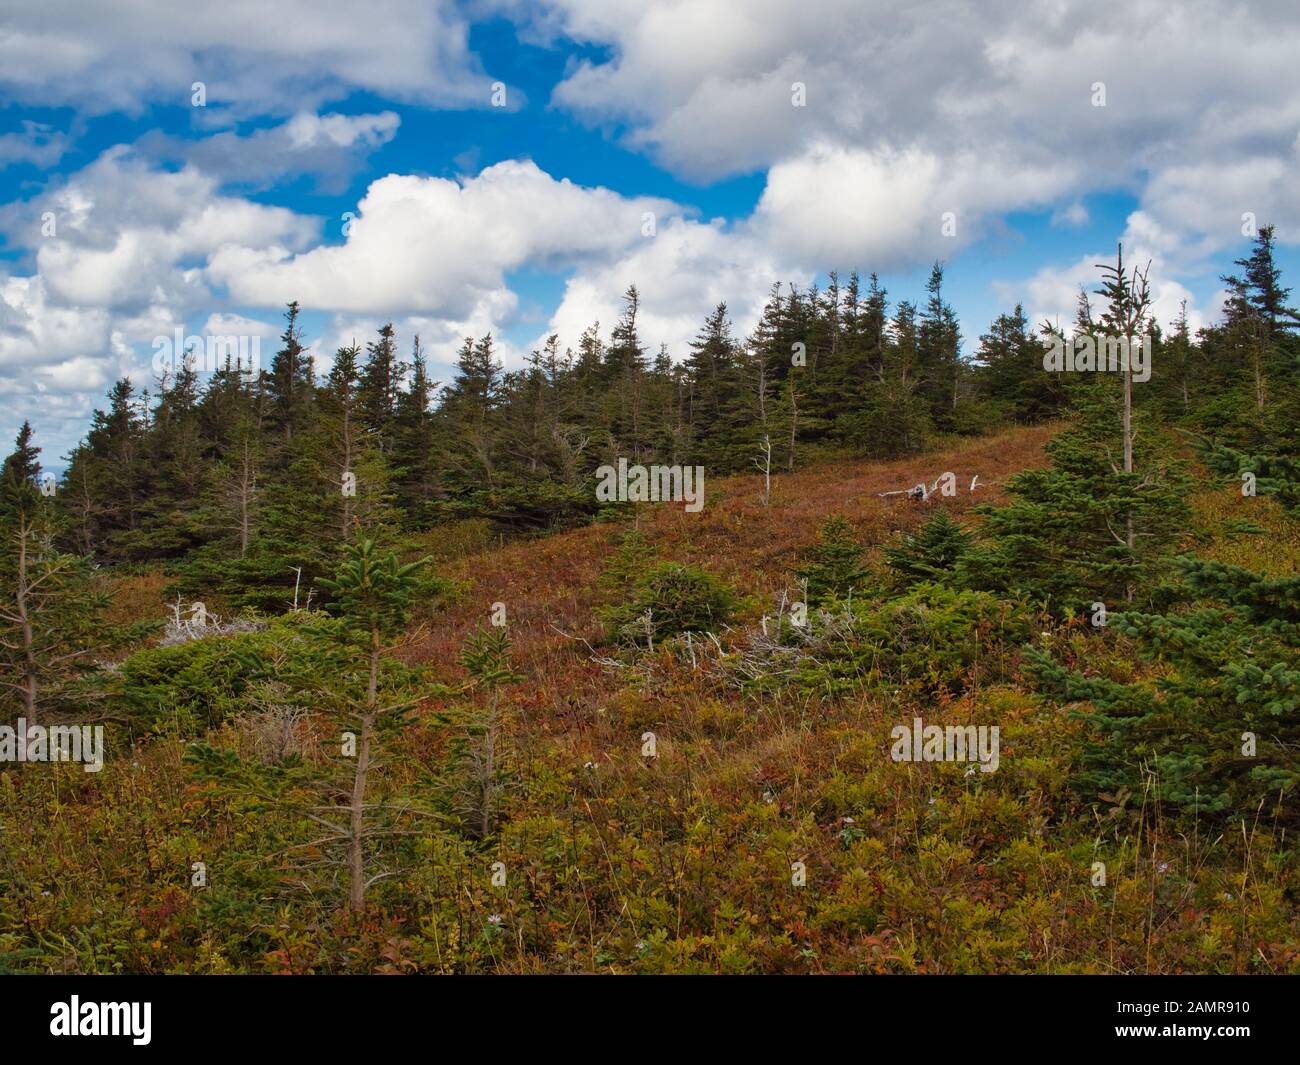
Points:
764	464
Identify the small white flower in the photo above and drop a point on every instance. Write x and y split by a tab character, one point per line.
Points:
589	765
495	919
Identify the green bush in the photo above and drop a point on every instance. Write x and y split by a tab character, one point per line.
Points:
930	555
668	600
1221	666
833	567
200	683
934	638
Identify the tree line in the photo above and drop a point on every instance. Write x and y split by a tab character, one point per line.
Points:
249	484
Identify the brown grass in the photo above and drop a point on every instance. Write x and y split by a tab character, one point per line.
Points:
550	584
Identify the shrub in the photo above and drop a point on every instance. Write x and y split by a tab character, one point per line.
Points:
200	683
1222	672
834	566
930	555
668	600
932	639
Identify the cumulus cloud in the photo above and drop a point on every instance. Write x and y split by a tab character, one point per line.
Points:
331	147
114	258
151	51
36	333
126	56
440	246
938	107
36	143
122	234
1052	294
682	273
836	206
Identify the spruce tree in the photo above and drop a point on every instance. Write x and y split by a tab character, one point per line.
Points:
289	384
1084	530
1213	727
930	556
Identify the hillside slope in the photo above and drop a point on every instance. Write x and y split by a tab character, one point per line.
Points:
550	583
655	812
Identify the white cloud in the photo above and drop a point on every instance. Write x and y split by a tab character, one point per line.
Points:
682	273
984	108
123	57
38	144
127	235
439	246
1074	214
36	333
123	265
1052	294
333	147
835	206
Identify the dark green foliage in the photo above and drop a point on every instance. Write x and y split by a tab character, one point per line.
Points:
235	486
475	776
931	639
1226	664
51	600
668	600
1011	361
200	683
1275	475
486	658
1061	540
342	671
21	473
931	555
372	590
833	567
290	384
631	560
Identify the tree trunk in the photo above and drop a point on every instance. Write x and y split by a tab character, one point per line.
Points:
347	468
247	479
489	771
794	421
356	820
23	593
1130	533
1261	390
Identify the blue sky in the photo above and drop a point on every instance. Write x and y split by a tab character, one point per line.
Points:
528	218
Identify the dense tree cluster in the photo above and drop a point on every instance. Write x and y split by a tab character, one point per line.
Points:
248	488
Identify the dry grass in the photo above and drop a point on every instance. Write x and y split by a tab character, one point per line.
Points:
550	584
